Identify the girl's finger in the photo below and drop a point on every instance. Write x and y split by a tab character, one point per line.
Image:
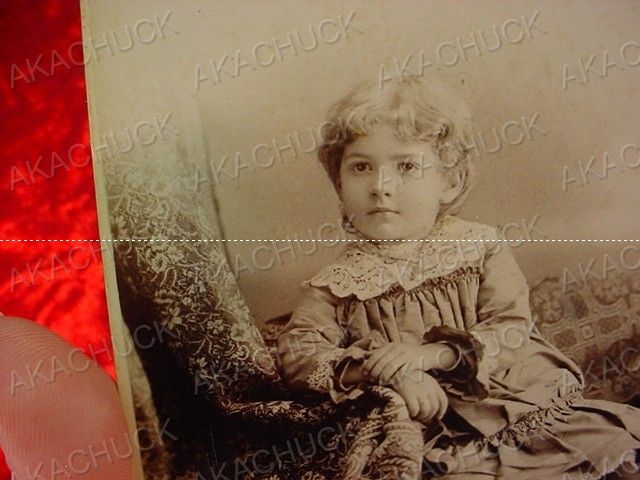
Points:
444	403
375	356
382	362
427	408
392	368
413	405
440	397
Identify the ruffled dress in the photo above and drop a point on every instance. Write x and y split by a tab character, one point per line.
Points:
515	404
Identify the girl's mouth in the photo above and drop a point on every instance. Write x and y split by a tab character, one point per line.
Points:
382	210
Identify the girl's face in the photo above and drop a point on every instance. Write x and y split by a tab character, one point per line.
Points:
391	188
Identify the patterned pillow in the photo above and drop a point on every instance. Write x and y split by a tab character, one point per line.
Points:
598	326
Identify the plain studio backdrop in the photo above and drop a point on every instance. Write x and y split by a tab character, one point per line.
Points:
568	70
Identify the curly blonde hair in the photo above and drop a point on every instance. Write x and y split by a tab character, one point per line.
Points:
415	110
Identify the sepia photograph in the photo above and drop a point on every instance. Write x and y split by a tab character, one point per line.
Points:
371	239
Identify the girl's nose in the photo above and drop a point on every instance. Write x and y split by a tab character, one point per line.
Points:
385	183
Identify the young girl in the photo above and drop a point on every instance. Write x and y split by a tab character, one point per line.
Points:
436	308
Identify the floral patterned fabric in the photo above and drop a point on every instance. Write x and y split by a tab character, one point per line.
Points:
258	430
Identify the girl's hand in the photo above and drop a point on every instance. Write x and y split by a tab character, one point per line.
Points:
425	399
387	360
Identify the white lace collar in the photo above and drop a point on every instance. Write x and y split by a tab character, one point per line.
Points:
367	269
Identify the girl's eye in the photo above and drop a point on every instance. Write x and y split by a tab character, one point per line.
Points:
406	167
360	167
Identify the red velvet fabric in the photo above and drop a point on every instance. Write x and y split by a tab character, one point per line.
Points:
46	182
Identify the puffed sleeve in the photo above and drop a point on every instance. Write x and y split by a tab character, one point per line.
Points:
504	317
503	329
312	352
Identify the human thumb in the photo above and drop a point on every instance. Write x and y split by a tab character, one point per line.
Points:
60	416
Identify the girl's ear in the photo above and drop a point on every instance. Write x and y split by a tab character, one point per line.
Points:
453	185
